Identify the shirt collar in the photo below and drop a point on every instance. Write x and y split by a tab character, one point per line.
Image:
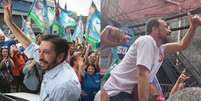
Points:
54	71
155	44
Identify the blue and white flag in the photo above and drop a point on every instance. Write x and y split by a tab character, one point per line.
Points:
78	33
26	28
93	27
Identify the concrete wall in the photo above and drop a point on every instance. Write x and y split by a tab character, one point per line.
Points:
193	52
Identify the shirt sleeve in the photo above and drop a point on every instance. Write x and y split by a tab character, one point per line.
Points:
26	67
145	53
32	51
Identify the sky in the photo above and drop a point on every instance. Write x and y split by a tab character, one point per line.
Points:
81	7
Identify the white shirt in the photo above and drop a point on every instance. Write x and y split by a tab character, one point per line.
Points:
143	51
59	83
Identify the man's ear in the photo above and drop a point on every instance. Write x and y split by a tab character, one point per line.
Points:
155	30
60	57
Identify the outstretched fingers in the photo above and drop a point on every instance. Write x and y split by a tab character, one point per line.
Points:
7	3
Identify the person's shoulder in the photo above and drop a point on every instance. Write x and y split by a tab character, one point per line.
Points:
67	67
69	72
67	84
98	74
66	64
145	37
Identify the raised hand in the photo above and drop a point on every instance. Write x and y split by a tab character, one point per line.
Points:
183	77
7	12
195	20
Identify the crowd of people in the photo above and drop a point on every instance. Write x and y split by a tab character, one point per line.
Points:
64	71
11	65
52	67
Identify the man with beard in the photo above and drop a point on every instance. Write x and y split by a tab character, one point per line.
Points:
60	82
136	72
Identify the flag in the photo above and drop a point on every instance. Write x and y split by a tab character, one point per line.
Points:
56	27
26	28
36	14
78	33
65	17
65	20
46	17
70	13
61	22
41	14
93	26
45	10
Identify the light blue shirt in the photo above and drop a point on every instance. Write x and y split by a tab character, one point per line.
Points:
59	83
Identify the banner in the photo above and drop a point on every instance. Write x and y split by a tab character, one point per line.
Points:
41	14
93	27
78	33
26	28
62	21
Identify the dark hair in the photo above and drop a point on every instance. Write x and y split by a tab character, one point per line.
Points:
38	36
152	23
4	47
186	94
74	58
92	66
60	44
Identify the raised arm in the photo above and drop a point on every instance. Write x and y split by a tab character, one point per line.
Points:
112	37
171	48
180	83
13	27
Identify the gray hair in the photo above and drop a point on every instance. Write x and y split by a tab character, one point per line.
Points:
150	24
187	94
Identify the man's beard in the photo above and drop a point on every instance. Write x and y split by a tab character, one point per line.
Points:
49	66
165	40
